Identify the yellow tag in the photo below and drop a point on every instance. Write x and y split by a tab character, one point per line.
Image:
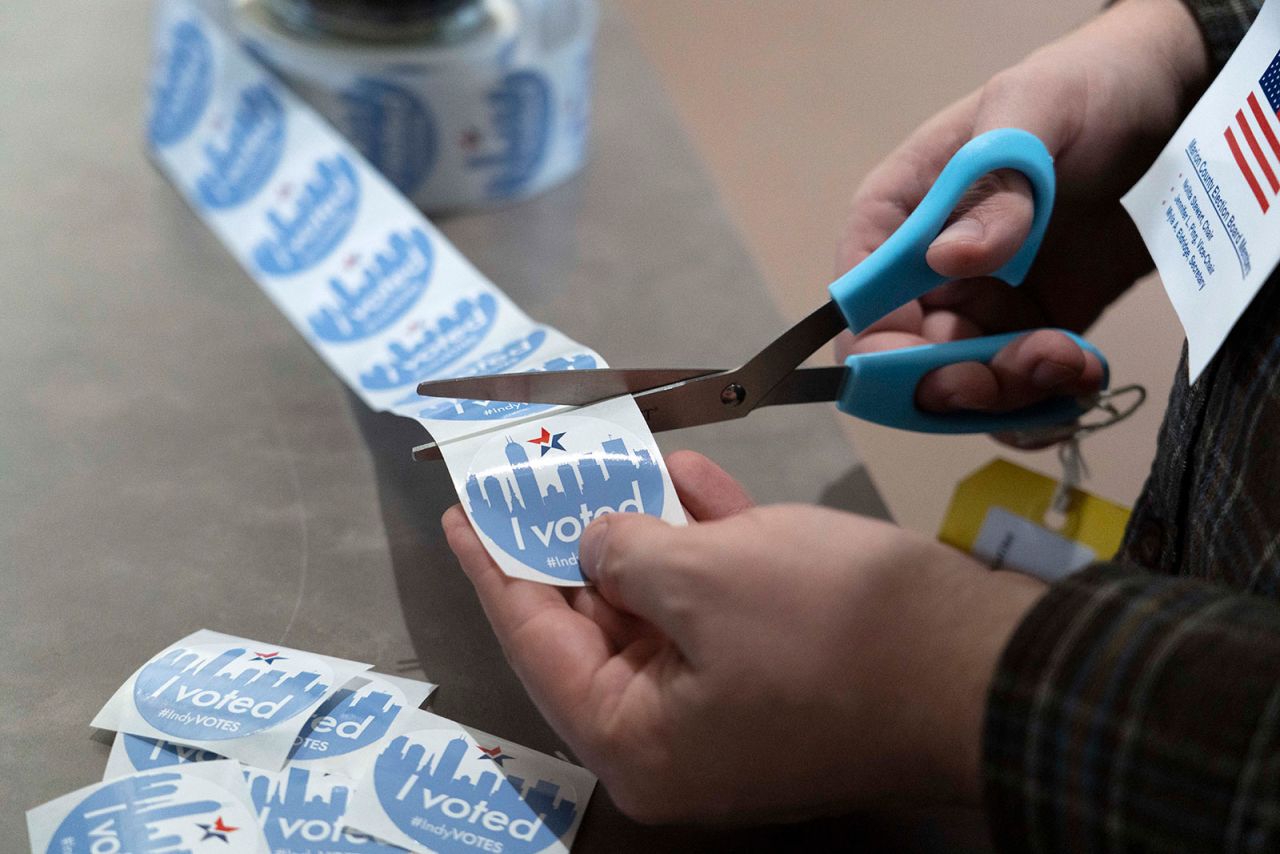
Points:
1001	515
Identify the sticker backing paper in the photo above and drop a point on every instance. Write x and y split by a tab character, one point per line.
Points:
338	737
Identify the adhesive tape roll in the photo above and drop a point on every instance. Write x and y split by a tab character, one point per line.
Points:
495	116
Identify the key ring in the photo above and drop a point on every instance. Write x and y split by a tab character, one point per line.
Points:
1107	402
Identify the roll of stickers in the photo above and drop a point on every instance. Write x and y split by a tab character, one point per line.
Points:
497	113
388	302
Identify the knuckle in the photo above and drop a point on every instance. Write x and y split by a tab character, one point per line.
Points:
1002	86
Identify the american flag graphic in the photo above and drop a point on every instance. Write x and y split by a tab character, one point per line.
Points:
1254	137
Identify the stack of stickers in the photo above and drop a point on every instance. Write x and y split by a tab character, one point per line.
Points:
225	744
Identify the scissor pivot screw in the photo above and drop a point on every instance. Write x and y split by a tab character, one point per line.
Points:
733	394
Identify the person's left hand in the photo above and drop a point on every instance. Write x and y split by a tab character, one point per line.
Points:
762	662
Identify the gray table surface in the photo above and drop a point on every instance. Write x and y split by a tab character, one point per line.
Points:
173	456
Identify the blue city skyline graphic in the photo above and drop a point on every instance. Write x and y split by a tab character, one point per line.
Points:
347	721
450	409
407	777
192	694
540	525
390	284
520	116
432	350
182	85
142	814
394	130
243	164
298	816
322	214
148	754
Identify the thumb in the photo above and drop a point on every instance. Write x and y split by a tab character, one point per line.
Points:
994	217
641	565
989	225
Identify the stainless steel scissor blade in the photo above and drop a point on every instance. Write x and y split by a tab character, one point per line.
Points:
702	400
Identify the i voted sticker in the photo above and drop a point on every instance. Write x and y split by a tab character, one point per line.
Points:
232	696
214	692
197	808
426	352
531	491
447	789
303	812
351	724
131	753
338	737
394	129
240	163
182	85
385	287
310	222
520	115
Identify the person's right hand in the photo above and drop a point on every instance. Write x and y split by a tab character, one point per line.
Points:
1104	99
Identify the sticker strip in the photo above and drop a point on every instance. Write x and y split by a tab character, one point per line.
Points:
231	696
388	302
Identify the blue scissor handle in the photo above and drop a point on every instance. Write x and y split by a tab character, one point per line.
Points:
881	387
897	272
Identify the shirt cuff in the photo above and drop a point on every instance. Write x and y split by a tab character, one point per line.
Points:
1140	712
1223	24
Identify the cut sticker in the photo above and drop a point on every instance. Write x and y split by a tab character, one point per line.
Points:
239	166
236	697
204	807
343	732
531	491
338	737
446	788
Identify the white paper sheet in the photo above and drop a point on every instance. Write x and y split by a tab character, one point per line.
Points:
1207	207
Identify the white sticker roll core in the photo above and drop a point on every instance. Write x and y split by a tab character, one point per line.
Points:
499	116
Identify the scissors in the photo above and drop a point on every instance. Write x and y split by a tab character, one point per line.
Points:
879	386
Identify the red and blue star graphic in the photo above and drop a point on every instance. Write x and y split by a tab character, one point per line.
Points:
547	441
268	657
217	830
494	753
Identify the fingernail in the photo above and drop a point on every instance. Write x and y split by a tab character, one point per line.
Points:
1049	374
963	230
591	545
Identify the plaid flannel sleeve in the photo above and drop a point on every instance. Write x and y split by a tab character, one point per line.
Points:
1223	23
1137	712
